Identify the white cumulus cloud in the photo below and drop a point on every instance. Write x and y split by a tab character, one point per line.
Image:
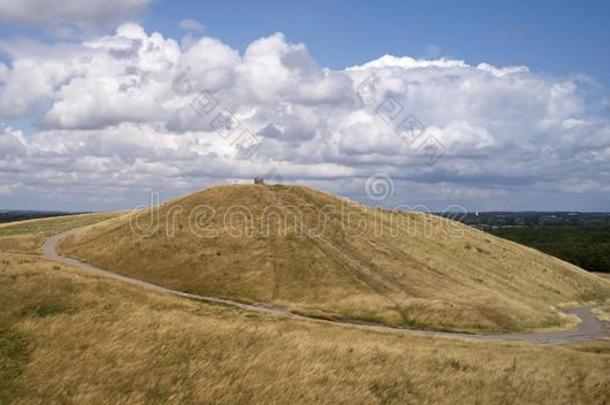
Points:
116	117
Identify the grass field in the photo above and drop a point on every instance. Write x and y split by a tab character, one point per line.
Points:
432	273
29	235
71	338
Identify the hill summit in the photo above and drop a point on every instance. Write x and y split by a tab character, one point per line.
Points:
318	254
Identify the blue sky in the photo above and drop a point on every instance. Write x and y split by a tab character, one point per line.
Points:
517	95
557	37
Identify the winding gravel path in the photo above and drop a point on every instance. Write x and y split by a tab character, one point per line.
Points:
590	328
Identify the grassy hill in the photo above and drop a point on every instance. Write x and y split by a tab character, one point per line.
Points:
67	337
315	253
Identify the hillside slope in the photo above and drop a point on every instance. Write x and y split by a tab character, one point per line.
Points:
318	254
88	339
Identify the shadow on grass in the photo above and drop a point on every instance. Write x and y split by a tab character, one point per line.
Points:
14	351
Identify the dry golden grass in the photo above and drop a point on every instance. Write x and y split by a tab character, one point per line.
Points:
396	268
71	338
28	236
604	276
603	311
22	243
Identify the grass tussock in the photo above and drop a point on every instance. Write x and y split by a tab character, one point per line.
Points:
113	343
603	311
399	268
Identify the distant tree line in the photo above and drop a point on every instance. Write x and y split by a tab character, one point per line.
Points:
585	247
535	219
581	238
10	216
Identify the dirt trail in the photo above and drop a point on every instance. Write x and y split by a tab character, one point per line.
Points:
590	328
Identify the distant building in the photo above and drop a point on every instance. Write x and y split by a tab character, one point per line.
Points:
259	180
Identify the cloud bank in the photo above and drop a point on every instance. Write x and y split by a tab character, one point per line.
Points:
62	18
125	114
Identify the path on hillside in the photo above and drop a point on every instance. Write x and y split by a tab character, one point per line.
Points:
590	328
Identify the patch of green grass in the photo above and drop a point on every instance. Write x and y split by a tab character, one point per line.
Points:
52	226
597	347
45	310
14	349
389	392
